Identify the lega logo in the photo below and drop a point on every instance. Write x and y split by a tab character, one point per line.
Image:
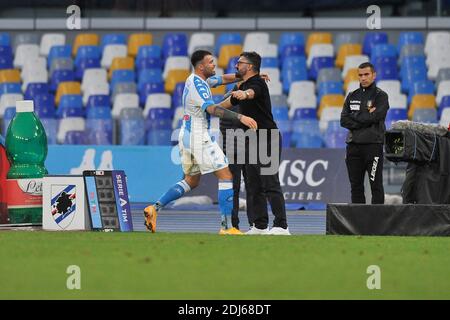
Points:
63	204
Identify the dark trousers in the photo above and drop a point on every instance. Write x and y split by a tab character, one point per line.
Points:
362	158
236	171
266	187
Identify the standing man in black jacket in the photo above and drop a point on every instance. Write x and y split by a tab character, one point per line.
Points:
364	113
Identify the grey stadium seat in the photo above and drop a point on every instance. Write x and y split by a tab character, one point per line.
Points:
328	74
412	50
61	64
443	74
25	38
346	37
124	87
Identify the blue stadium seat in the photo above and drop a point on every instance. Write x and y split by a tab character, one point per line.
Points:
9	114
149	76
383	62
292	50
6	63
70	112
99	126
149	88
34	89
280	113
290	38
70	100
59	52
286	139
291	63
85	64
75	138
99	100
44	105
148	63
174	44
87	52
412	62
6	51
227	38
331	87
306	140
395	115
305	114
177	95
270	62
284	125
384	50
445	103
409	37
61	76
420	87
5	39
371	39
159	137
51	128
132	126
411	75
113	38
293	75
8	87
319	63
121	76
158	124
146	52
387	73
335	139
425	115
160	113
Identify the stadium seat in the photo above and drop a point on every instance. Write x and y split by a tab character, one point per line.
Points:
8	115
301	113
425	115
391	87
96	101
60	51
395	114
421	101
254	39
435	40
25	38
70	101
445	103
9	100
121	76
173	77
113	38
347	49
411	75
343	38
38	76
200	40
85	64
137	40
445	118
176	63
148	63
75	137
10	88
112	51
5	39
443	74
267	50
6	52
320	50
60	76
277	101
99	126
352	75
319	63
371	39
383	50
384	62
49	40
329	88
45	101
352	62
125	100
267	62
227	38
99	88
87	52
227	52
69	124
10	75
330	100
84	39
6	62
421	87
317	38
132	127
299	89
328	74
24	52
443	90
329	114
70	112
91	76
157	100
152	87
387	73
145	52
397	101
438	62
174	44
61	64
292	50
121	63
291	38
123	87
67	87
411	50
280	113
149	76
410	38
292	75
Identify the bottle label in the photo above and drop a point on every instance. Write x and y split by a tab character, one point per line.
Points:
24	193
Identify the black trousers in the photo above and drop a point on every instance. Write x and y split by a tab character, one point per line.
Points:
265	188
362	158
236	171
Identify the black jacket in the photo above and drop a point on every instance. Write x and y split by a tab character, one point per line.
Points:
365	127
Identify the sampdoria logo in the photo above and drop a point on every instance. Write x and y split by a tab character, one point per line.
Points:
63	204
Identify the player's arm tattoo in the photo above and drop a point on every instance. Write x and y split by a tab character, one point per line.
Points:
223	113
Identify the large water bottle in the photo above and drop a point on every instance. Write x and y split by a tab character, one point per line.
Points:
26	147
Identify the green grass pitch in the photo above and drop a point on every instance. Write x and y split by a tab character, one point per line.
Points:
33	265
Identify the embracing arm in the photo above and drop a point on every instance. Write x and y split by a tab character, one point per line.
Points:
223	113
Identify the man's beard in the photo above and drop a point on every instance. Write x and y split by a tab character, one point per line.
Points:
238	75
